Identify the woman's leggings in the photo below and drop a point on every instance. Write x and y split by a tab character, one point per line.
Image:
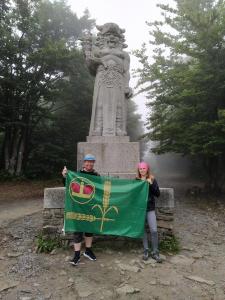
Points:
151	219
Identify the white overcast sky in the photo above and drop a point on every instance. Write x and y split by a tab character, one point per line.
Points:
130	15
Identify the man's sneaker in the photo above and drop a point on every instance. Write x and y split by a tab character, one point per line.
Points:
75	261
145	254
156	257
89	254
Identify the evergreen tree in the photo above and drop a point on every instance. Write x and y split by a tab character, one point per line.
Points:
55	140
135	126
38	44
185	84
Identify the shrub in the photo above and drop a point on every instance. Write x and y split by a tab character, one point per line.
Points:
170	244
46	245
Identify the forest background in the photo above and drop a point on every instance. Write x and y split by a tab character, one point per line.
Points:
46	89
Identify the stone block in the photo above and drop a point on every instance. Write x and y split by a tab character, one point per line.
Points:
169	211
59	213
165	233
57	222
113	158
165	217
49	229
166	198
54	197
108	139
47	214
165	224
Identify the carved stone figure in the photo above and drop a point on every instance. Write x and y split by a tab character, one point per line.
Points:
108	61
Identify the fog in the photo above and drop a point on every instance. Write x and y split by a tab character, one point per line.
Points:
164	166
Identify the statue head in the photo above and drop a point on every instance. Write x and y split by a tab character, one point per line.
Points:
112	28
112	35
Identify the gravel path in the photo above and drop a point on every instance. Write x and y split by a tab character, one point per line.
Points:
12	209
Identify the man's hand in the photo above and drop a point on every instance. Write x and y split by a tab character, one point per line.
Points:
64	171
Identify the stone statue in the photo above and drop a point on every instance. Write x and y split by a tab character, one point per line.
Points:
110	65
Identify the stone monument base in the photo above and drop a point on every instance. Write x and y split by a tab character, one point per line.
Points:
115	155
53	213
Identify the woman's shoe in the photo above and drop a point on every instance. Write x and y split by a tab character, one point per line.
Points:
145	254
156	257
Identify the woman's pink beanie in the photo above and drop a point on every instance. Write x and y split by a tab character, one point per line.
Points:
143	165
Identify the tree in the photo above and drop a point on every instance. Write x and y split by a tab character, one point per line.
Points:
69	122
135	126
185	84
38	43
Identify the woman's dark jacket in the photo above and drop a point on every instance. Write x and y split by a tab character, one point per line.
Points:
153	192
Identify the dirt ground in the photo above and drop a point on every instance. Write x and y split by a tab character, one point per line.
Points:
197	272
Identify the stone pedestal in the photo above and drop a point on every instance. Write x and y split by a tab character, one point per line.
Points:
115	156
53	212
165	213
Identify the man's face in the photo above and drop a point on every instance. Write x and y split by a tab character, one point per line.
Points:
89	165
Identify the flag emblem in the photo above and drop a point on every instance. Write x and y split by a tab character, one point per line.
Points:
81	190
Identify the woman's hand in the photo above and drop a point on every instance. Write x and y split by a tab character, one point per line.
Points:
150	179
64	171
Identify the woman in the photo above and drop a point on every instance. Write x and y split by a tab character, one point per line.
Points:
144	174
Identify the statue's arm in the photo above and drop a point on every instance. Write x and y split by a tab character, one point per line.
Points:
93	60
91	54
127	89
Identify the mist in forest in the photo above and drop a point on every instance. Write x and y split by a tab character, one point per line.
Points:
168	167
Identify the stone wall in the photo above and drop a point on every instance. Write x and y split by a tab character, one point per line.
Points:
124	155
165	212
53	212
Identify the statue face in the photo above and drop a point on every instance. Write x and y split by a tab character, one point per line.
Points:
112	40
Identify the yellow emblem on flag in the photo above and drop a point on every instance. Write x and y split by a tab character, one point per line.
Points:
81	190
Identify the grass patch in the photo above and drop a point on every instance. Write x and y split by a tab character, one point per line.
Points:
46	245
170	244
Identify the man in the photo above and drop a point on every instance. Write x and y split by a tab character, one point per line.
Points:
88	168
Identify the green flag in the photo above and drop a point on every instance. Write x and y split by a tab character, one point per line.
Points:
105	205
